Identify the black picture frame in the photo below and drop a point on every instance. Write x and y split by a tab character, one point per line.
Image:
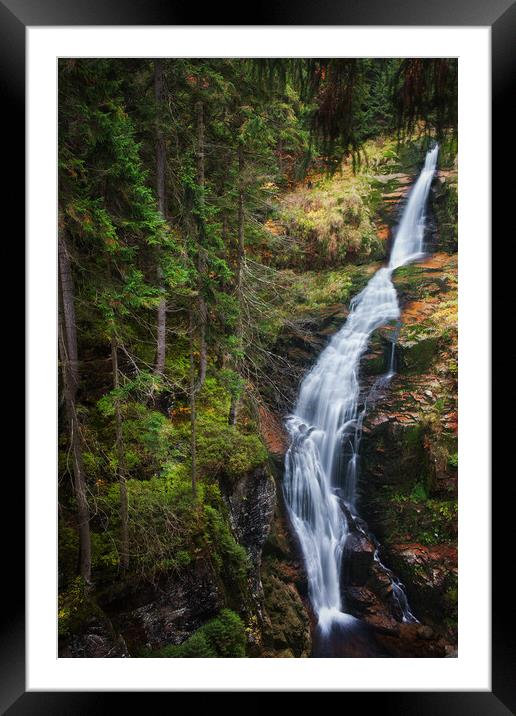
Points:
500	15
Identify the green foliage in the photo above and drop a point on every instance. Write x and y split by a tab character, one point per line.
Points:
232	382
147	435
164	524
223	451
222	637
168	528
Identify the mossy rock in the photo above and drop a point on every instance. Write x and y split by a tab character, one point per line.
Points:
417	355
444	203
289	630
373	363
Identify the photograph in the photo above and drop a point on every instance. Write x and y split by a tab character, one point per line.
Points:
257	357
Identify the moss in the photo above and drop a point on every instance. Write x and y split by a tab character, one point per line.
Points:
221	637
408	278
229	557
413	436
451	596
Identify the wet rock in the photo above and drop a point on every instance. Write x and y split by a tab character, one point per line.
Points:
358	559
363	602
287	624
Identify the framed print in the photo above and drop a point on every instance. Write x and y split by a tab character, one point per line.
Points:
259	394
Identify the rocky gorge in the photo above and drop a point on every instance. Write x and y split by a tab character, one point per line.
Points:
407	486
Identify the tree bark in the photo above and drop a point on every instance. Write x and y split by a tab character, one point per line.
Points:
233	409
68	347
68	308
241	238
121	471
201	260
159	94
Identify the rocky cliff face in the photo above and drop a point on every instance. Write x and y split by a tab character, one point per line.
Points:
409	447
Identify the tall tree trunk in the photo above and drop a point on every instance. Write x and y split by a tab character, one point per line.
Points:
68	347
233	409
121	471
68	307
201	261
241	239
193	416
159	94
280	157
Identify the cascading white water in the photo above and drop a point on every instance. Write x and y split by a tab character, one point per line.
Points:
326	419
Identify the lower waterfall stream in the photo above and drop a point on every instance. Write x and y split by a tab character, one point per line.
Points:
321	464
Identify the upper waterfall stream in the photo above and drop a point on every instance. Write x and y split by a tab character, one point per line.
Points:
324	430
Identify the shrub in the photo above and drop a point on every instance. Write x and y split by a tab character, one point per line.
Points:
223	637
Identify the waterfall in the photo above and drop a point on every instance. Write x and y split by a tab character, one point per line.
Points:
324	430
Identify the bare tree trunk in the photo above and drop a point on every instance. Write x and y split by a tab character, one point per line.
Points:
201	261
241	239
162	205
232	417
68	308
233	410
68	346
193	416
280	157
121	472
